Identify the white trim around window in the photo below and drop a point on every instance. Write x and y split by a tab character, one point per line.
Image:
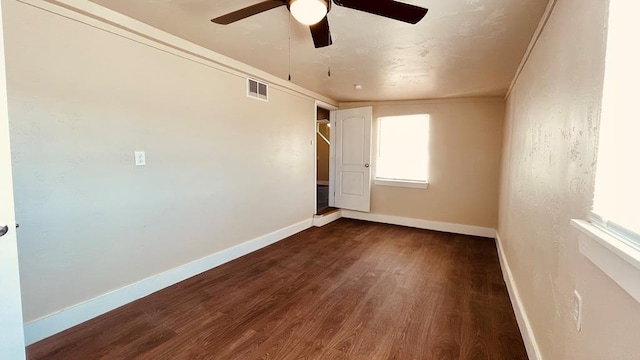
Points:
616	258
401	183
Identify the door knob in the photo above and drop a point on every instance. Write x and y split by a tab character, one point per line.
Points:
4	230
366	165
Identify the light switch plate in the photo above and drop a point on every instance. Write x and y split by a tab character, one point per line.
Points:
140	158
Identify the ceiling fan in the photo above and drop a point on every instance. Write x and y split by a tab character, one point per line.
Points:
314	13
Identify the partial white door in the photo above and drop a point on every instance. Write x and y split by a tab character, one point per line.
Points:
11	329
352	158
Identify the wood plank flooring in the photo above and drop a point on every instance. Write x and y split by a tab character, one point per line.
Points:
348	290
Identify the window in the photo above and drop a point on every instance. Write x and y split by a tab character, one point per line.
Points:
617	196
403	151
610	239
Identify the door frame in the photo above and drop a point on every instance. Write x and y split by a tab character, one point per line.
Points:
331	108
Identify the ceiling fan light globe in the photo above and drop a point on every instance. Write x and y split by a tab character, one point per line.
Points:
308	12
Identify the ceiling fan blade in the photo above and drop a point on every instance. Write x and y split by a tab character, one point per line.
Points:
321	34
387	8
248	11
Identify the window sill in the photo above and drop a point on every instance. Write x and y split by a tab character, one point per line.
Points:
401	183
619	261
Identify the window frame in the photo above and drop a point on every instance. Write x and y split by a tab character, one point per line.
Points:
401	183
617	231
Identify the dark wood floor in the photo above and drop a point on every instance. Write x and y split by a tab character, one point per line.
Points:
348	290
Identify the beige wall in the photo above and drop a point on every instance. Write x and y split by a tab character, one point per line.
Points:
551	131
465	150
81	101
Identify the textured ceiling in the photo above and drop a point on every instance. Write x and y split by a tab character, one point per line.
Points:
461	48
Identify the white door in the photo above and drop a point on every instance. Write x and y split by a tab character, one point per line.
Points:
352	158
11	330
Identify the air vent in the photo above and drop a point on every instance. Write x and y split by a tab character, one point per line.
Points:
257	90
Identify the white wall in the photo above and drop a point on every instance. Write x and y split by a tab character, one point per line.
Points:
548	176
81	101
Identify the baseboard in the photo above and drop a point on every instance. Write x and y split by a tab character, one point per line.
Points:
421	224
530	343
322	220
322	182
54	323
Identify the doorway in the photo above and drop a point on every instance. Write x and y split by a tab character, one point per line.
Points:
343	158
323	151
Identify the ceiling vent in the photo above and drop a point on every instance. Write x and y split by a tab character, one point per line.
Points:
257	90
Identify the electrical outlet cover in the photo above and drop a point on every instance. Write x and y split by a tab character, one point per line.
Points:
140	158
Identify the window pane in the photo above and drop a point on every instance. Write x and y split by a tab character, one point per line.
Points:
403	148
617	197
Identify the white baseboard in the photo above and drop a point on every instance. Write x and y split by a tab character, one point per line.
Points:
421	224
322	220
530	343
54	323
322	182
